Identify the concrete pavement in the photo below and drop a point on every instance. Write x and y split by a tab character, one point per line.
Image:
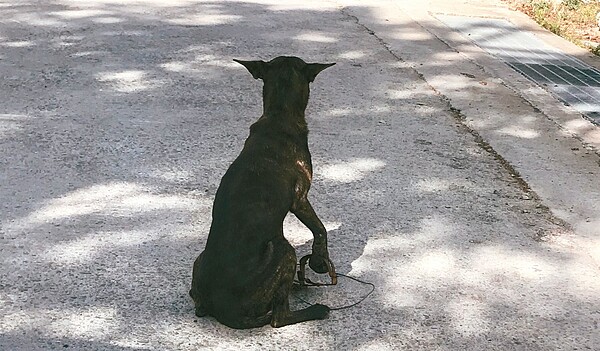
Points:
465	193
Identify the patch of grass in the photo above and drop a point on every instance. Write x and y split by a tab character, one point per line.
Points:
543	14
574	20
572	5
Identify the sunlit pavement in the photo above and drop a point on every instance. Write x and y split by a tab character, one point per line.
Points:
464	192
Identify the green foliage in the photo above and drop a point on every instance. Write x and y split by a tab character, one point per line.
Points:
541	11
540	7
572	5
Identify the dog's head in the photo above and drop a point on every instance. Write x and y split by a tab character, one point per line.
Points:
285	77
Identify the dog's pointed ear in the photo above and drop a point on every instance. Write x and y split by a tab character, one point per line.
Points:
312	69
256	68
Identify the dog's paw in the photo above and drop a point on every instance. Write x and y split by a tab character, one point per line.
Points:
319	311
318	264
200	312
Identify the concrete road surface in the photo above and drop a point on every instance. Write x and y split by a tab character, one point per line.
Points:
465	193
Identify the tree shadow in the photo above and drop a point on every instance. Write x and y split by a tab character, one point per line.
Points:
119	120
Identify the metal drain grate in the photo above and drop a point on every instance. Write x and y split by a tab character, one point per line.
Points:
570	79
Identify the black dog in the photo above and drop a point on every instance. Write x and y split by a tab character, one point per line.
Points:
246	271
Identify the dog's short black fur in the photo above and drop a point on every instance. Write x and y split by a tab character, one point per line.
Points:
245	273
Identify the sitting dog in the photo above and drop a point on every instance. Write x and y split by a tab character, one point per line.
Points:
246	271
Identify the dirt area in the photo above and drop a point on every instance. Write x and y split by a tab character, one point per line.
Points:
574	20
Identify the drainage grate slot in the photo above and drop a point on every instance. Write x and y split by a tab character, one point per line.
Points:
573	81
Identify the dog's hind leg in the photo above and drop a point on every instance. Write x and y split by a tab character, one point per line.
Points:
281	314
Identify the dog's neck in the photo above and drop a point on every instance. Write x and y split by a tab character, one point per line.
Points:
284	104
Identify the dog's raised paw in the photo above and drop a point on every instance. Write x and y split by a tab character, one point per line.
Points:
318	264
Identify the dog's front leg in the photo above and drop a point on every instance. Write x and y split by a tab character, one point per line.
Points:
320	254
